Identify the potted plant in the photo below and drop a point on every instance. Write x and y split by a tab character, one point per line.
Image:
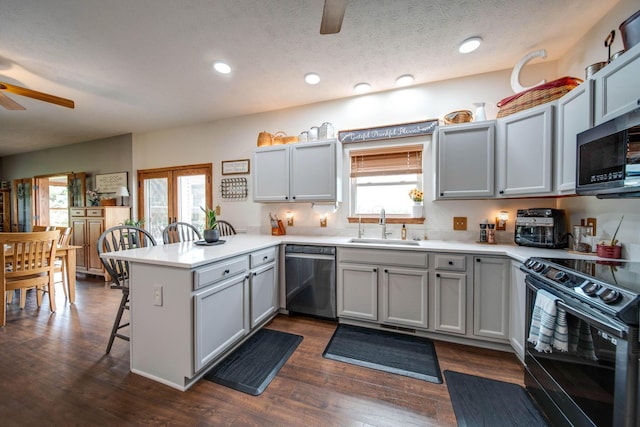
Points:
417	196
211	233
613	249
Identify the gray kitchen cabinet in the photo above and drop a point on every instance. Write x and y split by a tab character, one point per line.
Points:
306	172
405	296
221	318
450	294
491	297
391	282
617	87
517	311
357	291
574	115
525	152
271	174
465	156
263	285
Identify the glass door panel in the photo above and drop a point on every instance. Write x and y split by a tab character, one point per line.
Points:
156	206
191	196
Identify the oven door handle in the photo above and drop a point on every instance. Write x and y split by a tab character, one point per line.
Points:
606	325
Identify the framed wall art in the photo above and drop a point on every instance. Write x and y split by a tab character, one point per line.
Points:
110	182
235	167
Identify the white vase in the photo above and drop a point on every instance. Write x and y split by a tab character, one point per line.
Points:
416	211
480	113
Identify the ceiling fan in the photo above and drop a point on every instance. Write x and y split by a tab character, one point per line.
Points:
332	16
10	104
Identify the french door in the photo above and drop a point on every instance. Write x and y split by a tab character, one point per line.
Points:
168	195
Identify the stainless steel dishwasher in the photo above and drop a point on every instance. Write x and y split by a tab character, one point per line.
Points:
310	273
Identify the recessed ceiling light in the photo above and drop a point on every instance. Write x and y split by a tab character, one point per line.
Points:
469	45
362	87
221	67
312	78
404	80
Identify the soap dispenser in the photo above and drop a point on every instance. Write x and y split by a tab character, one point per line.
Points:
403	232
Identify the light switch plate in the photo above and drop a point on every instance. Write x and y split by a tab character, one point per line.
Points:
460	223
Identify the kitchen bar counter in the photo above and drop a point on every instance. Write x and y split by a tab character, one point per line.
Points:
189	255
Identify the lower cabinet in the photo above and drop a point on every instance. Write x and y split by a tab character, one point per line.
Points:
221	318
357	293
491	297
263	286
405	296
450	302
517	305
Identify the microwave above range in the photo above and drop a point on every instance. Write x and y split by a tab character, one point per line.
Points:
608	158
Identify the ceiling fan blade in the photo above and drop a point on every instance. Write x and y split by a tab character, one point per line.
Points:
41	96
9	103
332	16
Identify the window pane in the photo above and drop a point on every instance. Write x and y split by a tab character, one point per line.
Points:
389	192
191	196
156	206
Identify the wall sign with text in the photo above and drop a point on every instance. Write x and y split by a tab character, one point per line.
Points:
109	182
402	130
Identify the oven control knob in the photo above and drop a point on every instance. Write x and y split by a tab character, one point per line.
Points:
529	263
561	276
538	267
610	296
590	288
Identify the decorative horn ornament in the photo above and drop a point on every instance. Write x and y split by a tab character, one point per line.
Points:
515	74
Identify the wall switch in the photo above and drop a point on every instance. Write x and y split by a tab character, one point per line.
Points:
592	222
157	295
460	223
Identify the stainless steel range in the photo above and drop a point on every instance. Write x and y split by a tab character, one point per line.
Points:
593	382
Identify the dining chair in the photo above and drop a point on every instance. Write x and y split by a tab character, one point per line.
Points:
38	228
180	232
61	262
27	262
120	238
225	228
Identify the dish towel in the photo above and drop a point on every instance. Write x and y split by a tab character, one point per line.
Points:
543	322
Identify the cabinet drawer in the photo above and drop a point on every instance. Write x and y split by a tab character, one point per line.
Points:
450	262
262	257
95	212
77	212
390	257
218	271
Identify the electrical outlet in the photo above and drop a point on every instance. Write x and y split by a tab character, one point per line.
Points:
460	223
592	222
157	295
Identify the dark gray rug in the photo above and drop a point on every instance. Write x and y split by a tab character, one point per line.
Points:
396	353
252	366
481	402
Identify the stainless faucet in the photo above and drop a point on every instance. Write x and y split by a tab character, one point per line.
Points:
360	230
383	222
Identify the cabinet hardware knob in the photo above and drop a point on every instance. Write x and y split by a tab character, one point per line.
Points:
255	274
437	274
265	258
478	260
386	271
286	197
501	191
450	262
294	197
375	269
441	194
226	272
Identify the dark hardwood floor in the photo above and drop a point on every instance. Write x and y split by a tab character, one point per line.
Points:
53	371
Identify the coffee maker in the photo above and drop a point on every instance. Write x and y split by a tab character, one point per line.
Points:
541	228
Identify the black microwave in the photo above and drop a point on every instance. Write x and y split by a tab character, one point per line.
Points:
608	158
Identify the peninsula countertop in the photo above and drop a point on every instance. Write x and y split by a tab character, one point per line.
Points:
189	255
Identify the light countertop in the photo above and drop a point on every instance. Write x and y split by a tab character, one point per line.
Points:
189	255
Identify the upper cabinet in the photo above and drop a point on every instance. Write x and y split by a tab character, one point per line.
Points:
524	152
465	160
308	172
574	115
617	86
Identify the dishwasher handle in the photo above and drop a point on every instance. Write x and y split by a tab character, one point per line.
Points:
309	256
308	249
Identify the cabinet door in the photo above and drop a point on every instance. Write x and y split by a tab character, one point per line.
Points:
264	293
450	305
313	172
79	238
617	87
271	174
517	313
95	227
357	291
465	160
575	115
221	318
491	297
405	297
525	142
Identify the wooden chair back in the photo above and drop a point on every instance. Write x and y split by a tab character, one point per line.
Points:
65	235
28	262
38	228
225	228
180	232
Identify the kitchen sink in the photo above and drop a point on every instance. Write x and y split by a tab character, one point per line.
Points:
385	242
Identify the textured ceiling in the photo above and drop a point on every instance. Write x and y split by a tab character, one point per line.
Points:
142	65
